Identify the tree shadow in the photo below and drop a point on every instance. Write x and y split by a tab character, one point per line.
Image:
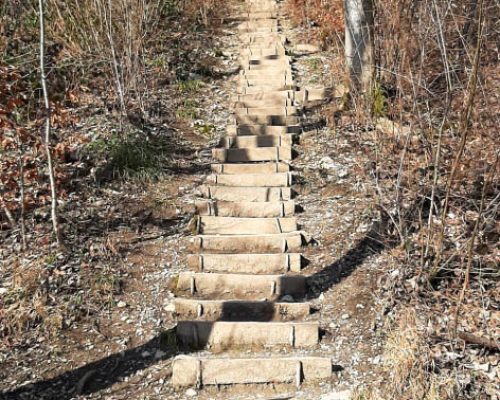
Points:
97	375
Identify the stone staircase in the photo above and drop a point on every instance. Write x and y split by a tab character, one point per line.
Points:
247	290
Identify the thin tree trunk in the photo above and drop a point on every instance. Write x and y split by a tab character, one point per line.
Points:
464	130
21	191
359	43
50	168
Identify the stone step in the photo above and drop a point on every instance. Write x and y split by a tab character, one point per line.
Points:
265	81
264	88
228	193
245	209
275	67
264	103
275	95
253	154
240	286
254	168
268	111
302	96
274	243
282	179
258	59
238	310
270	72
277	120
285	140
261	63
222	335
261	264
263	52
262	130
194	371
245	226
269	40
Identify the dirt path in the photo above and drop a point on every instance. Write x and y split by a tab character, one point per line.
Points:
129	353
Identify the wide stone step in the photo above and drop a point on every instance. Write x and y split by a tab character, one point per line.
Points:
267	111
253	154
279	120
300	95
264	103
245	226
254	168
246	209
240	286
259	194
262	40
267	87
266	82
194	371
226	335
282	179
262	130
273	243
270	71
246	263
285	140
263	52
239	310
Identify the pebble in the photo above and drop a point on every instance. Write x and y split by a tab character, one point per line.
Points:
121	304
191	392
345	316
343	395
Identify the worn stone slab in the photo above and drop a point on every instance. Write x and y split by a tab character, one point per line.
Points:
246	263
245	226
282	179
268	111
265	88
228	193
273	243
262	52
277	120
265	81
285	140
262	129
245	209
253	154
240	286
226	335
253	168
264	103
191	371
270	72
240	310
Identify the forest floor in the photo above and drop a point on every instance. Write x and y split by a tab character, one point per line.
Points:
127	240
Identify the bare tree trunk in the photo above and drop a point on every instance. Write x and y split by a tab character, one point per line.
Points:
50	168
359	47
22	223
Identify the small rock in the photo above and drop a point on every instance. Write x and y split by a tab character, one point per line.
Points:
287	299
343	395
345	316
3	290
191	392
121	304
360	306
159	354
170	307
